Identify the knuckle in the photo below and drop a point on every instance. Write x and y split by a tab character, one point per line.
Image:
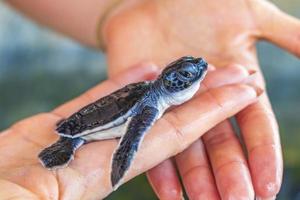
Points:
172	120
196	169
257	113
230	164
223	137
239	69
214	99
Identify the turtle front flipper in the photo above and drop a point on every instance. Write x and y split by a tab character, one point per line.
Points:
60	153
130	142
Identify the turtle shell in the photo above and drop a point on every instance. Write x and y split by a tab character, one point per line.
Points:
107	112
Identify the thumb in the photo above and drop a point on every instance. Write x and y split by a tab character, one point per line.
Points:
277	26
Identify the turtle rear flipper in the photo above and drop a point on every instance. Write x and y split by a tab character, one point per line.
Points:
60	153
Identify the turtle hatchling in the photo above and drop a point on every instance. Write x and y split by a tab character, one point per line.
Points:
127	113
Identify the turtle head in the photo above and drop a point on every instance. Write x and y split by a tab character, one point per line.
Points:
183	74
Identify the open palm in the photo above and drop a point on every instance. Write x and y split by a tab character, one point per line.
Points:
223	32
88	175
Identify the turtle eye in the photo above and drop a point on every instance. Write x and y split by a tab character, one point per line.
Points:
186	74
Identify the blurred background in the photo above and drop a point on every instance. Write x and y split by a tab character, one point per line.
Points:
40	69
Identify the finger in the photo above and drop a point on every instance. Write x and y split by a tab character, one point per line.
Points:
195	171
134	74
170	135
211	67
260	132
164	180
231	74
74	105
228	162
277	26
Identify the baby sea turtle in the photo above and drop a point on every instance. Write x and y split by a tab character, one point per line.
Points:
127	113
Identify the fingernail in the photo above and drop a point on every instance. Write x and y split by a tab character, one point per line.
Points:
251	79
182	197
211	67
268	198
258	89
251	71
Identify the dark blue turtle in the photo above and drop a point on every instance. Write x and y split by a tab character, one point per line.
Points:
127	113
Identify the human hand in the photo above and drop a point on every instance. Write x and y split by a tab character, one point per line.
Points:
223	33
87	176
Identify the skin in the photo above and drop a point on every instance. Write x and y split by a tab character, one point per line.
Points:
23	177
76	19
159	31
223	34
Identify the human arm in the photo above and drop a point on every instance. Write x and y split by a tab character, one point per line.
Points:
224	34
79	20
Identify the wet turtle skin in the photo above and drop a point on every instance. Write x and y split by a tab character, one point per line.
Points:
127	113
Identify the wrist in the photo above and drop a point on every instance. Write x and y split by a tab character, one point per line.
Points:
112	5
113	8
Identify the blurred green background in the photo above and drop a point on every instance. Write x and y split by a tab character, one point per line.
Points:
39	70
